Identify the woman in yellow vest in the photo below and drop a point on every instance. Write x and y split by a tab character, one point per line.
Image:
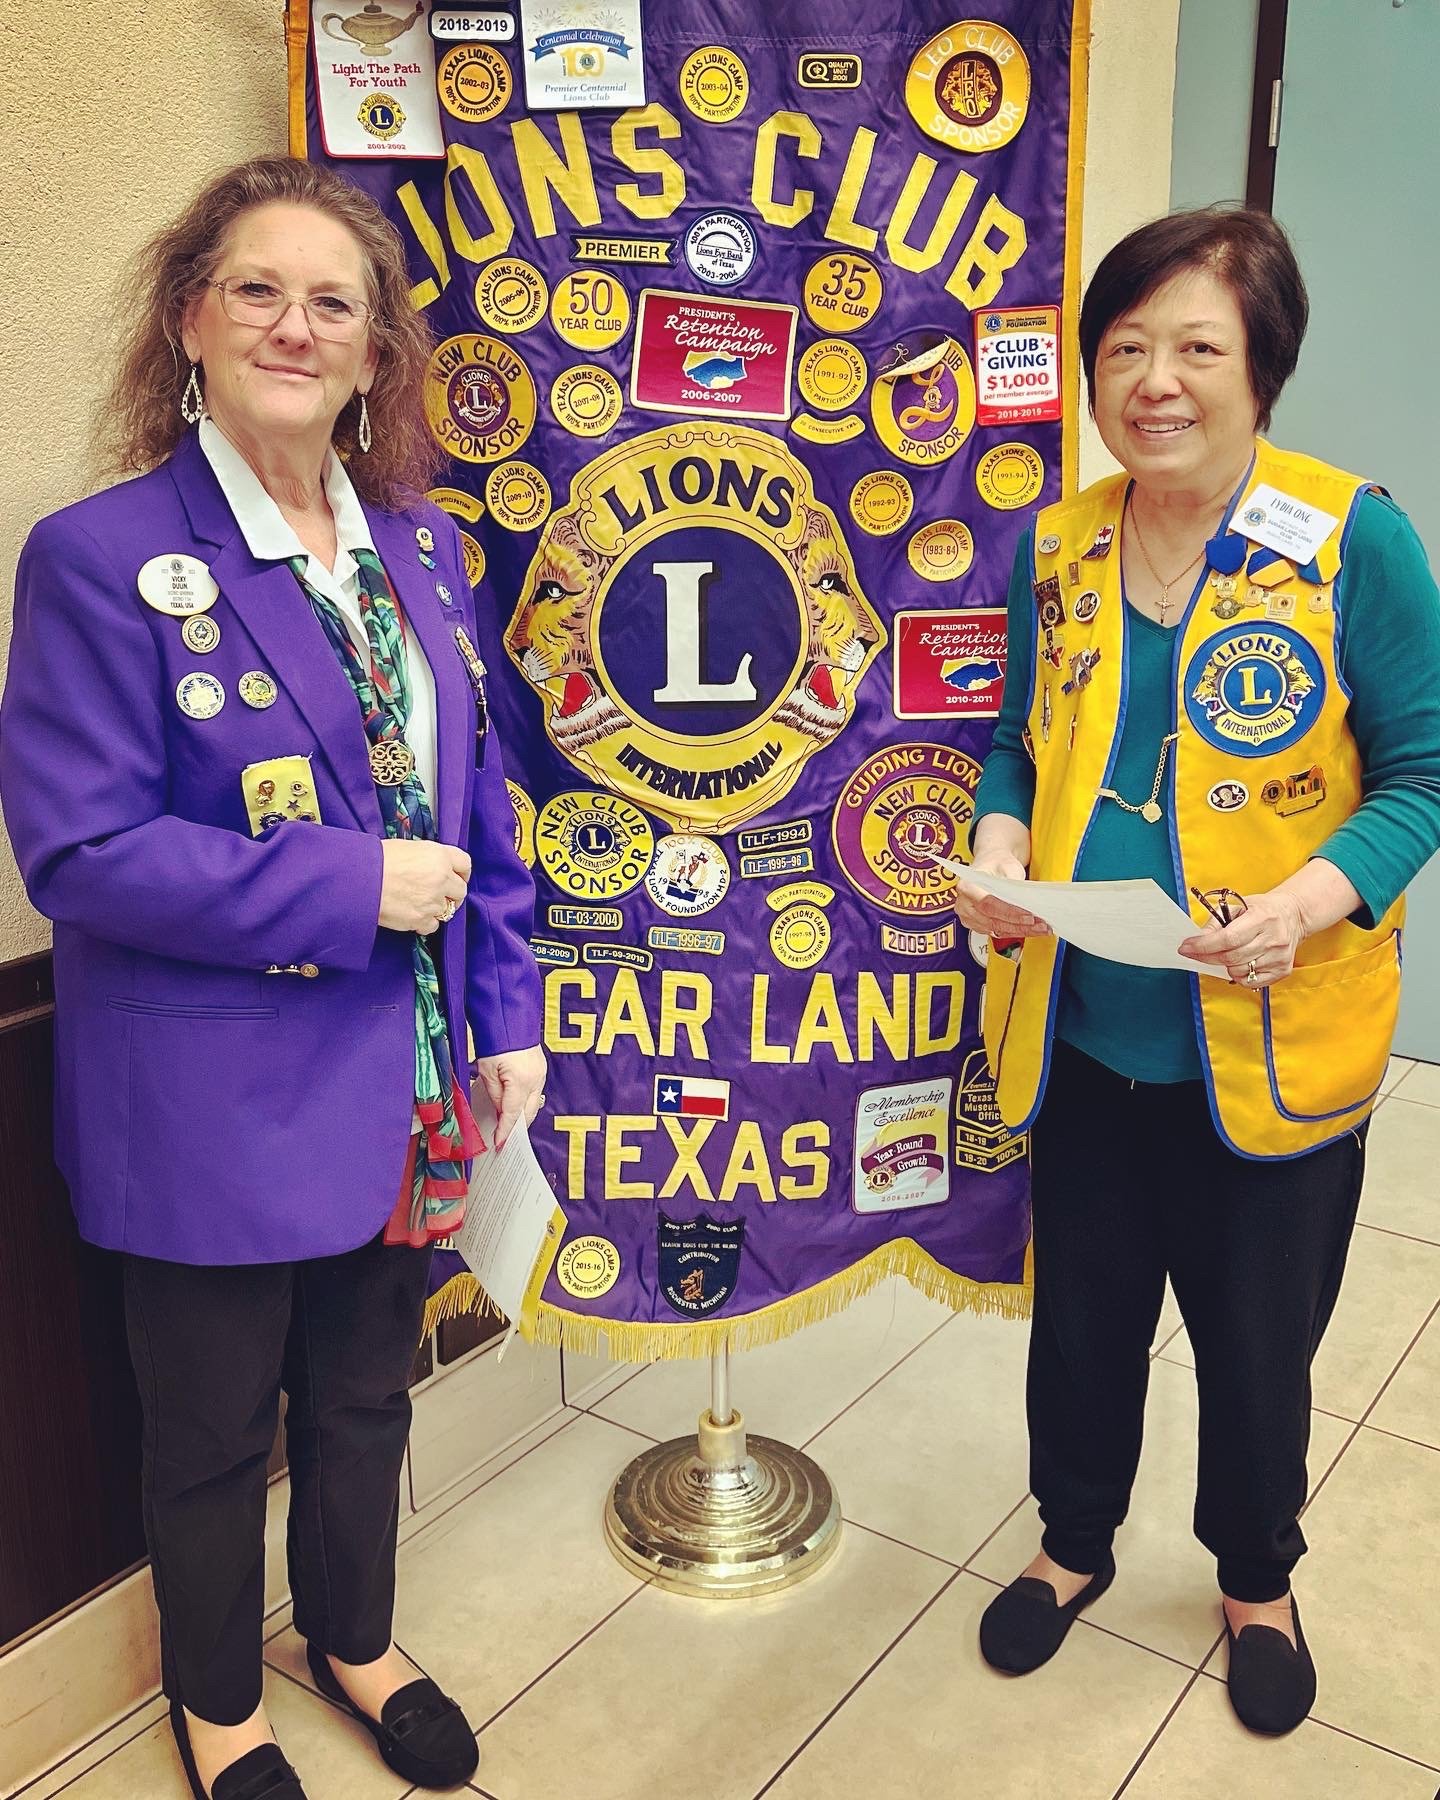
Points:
1224	674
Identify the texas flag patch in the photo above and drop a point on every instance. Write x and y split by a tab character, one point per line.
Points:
692	1097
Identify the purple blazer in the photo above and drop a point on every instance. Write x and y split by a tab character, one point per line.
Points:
208	1112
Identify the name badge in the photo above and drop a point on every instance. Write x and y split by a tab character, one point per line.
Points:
1281	522
177	584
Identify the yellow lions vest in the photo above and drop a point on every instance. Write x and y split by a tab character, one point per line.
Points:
1264	770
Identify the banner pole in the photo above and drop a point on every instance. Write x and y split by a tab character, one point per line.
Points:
722	1513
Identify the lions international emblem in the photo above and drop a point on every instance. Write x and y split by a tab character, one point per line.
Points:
693	624
1253	691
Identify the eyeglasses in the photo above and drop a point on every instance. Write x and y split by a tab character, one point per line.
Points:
1227	904
338	317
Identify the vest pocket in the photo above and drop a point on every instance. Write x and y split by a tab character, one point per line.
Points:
1328	1028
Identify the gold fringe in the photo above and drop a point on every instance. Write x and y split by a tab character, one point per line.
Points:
461	1294
297	42
628	1341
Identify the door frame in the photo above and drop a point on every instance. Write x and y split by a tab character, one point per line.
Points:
1264	101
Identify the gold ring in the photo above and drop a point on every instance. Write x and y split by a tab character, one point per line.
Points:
1251	971
449	914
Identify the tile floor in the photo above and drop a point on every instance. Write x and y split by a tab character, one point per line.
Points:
866	1682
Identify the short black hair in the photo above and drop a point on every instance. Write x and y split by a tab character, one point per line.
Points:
1241	246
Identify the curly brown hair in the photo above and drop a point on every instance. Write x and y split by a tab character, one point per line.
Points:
140	423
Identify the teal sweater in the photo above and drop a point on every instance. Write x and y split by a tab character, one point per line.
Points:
1141	1022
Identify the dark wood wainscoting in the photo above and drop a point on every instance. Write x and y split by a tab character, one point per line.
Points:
69	1415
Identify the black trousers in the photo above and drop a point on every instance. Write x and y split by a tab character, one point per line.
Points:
1131	1183
212	1348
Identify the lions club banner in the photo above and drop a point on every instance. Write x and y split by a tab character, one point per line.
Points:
748	321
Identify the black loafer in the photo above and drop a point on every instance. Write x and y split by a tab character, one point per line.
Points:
1024	1627
1272	1686
260	1774
422	1734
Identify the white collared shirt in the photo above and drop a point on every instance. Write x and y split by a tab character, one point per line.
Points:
270	538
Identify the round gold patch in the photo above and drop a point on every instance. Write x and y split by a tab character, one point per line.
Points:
479	398
941	550
714	84
969	87
594	846
510	295
518	496
832	374
1010	475
924	411
586	400
843	291
800	936
588	1267
524	809
257	689
590	309
881	501
474	82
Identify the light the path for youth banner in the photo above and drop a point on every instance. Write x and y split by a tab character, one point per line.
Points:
1125	921
513	1226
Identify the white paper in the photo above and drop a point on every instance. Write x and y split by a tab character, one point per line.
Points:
1133	922
508	1212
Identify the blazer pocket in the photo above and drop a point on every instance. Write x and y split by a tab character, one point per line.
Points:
174	1009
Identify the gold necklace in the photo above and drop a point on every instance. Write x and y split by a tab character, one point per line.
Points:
1151	812
1165	586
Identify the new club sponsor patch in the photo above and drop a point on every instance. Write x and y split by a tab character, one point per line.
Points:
594	846
951	664
479	398
701	354
1017	365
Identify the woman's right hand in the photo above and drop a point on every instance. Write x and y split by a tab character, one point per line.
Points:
982	912
422	885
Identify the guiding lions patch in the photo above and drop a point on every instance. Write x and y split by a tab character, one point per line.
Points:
903	806
1254	691
693	624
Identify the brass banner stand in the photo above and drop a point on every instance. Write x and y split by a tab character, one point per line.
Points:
725	1514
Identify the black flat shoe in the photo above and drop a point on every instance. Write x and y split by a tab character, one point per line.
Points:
1272	1686
422	1734
261	1774
1024	1627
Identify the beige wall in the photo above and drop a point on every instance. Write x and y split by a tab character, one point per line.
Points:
195	84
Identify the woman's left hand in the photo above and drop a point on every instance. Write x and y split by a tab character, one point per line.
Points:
515	1082
1259	947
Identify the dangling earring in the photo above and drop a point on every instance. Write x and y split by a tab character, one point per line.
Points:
192	401
363	435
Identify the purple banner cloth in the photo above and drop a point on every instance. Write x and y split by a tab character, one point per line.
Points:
711	374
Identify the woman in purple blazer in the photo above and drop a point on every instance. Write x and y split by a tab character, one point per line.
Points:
246	770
